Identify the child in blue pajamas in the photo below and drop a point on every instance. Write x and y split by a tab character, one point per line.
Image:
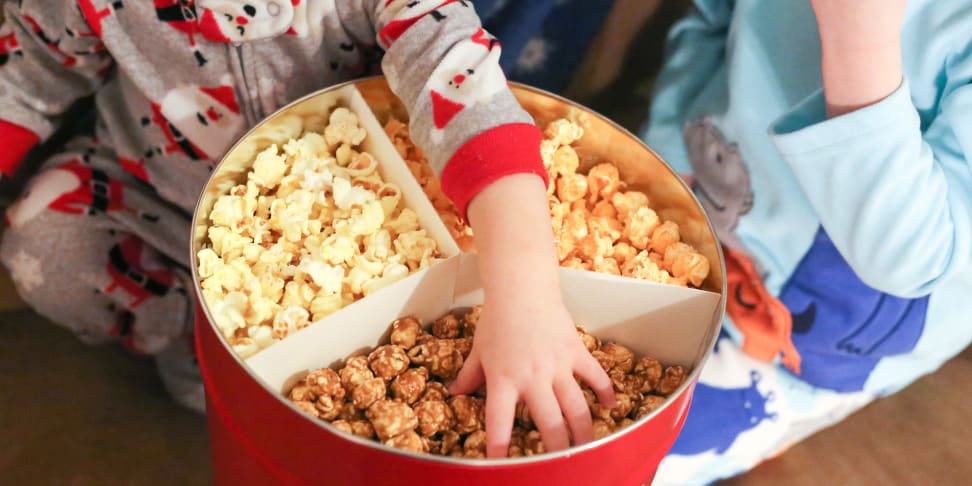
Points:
829	142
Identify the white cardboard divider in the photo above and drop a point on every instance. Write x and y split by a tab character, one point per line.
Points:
394	170
665	322
427	294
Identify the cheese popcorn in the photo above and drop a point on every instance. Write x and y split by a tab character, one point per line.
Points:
312	228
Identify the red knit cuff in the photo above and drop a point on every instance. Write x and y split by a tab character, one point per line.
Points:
496	153
16	142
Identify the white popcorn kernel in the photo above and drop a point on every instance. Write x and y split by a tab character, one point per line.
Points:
246	348
371	267
344	155
289	320
362	166
392	273
252	252
262	336
325	304
216	235
416	246
406	221
378	245
317	181
338	249
356	279
262	310
268	168
229	311
209	262
347	195
343	129
327	277
368	221
228	211
390	196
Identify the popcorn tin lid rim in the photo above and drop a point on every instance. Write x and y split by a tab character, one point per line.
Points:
705	347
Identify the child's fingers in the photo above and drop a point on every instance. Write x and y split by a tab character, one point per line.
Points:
500	409
588	369
575	409
470	377
545	412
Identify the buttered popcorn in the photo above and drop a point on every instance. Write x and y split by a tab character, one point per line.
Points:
313	229
396	394
598	224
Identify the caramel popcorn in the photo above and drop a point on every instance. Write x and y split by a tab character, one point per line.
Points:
671	380
533	444
343	426
464	345
328	408
648	405
399	398
650	370
434	416
446	327
391	418
311	229
523	415
388	361
367	393
355	372
409	441
602	428
434	390
590	342
405	331
621	358
410	385
469	412
325	382
475	444
308	407
440	356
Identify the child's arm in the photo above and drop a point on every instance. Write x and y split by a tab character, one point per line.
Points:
53	58
445	69
895	199
526	347
695	51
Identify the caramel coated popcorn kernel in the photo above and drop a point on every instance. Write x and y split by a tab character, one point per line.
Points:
391	418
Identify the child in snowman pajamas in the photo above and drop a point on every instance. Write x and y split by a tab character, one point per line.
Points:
830	143
98	241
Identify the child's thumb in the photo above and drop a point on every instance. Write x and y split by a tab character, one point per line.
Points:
470	377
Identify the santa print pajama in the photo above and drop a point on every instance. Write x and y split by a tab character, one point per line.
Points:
98	241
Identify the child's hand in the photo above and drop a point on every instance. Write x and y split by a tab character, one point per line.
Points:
526	347
527	350
861	51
